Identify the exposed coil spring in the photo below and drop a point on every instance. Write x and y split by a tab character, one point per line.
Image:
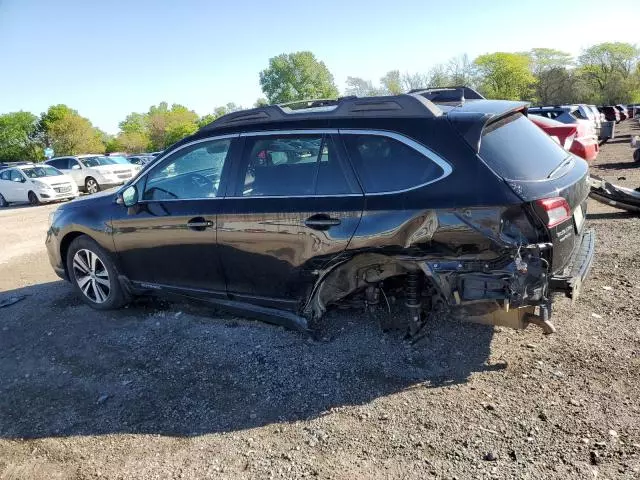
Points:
413	289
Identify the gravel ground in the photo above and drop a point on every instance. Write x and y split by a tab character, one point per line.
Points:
178	391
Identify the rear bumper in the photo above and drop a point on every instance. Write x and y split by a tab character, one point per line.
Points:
570	280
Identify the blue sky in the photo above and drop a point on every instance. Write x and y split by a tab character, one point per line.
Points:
109	58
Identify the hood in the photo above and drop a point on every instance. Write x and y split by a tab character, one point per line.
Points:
104	197
54	181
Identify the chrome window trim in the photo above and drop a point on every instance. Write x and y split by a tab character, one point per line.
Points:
425	151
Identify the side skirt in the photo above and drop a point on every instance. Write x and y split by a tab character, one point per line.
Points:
220	299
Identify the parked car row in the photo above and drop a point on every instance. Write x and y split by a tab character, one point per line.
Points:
441	198
582	139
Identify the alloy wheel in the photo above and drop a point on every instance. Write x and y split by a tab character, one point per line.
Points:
33	199
92	186
91	275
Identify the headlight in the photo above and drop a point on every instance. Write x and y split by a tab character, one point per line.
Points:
41	185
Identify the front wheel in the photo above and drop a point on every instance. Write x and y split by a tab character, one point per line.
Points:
33	199
91	185
3	202
94	275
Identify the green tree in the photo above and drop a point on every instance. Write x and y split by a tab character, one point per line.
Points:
168	125
461	72
555	82
360	87
609	69
261	102
411	81
297	76
68	133
505	75
18	137
392	83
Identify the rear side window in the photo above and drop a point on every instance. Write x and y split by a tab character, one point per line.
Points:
6	175
384	164
516	149
298	165
59	163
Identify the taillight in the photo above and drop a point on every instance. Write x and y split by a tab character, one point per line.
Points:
569	141
557	210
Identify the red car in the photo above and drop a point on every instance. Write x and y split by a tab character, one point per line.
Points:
578	138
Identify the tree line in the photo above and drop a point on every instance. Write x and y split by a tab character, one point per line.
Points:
607	73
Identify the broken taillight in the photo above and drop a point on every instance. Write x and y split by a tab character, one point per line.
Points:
557	210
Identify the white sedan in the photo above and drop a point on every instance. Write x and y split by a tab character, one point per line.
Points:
35	184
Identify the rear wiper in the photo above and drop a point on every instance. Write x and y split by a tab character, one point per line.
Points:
568	161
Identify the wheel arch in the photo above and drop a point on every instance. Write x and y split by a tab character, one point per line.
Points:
64	247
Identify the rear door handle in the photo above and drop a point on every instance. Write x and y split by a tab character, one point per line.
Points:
321	222
199	224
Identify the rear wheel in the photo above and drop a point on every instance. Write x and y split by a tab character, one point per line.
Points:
91	185
636	156
94	275
33	199
3	202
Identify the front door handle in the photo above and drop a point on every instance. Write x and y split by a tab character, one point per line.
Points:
321	222
199	224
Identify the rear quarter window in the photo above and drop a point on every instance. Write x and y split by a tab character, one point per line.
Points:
385	165
516	149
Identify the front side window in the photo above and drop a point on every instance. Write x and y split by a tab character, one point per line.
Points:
191	173
292	165
60	163
385	164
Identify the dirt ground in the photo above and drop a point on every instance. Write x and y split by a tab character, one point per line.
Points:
176	391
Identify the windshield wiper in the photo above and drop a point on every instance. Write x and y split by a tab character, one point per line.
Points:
567	162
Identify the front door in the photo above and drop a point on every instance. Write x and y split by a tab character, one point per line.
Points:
169	238
293	207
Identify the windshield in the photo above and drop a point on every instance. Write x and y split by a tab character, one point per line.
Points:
120	160
96	161
38	172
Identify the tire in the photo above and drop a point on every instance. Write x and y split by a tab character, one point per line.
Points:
33	199
636	155
94	275
3	202
91	185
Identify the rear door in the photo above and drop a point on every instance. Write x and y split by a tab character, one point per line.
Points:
293	207
536	168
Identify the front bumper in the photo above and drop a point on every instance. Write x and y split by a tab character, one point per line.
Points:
570	280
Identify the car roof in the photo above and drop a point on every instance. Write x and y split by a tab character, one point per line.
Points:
426	103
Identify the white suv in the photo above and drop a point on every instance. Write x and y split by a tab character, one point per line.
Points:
93	173
35	184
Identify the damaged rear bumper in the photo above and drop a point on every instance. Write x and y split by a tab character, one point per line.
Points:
570	280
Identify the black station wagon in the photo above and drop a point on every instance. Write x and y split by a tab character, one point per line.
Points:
451	202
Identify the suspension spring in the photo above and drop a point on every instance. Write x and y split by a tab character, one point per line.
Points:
413	289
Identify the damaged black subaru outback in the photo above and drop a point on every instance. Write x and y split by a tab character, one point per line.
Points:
450	202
